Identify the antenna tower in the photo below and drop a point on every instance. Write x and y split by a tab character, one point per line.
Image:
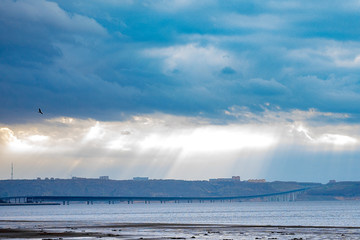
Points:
12	171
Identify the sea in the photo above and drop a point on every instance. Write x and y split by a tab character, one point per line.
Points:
314	213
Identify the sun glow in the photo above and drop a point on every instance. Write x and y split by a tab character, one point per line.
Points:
337	139
211	139
168	146
12	142
38	138
95	132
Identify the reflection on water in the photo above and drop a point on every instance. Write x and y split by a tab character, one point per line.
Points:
342	213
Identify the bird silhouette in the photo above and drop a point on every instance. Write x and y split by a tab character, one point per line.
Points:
40	111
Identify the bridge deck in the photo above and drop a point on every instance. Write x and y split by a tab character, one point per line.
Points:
142	198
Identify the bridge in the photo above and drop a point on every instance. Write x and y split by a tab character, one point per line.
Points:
278	196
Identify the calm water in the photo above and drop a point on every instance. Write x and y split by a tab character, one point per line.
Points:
344	213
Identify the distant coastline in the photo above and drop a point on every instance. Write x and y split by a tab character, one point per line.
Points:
337	191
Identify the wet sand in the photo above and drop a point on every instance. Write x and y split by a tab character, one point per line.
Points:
150	231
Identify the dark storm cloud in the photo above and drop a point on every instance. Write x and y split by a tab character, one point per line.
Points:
110	59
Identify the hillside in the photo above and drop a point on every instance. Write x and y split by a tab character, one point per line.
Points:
334	191
154	188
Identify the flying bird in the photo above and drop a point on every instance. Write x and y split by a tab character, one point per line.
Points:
40	111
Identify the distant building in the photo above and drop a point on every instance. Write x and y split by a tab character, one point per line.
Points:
257	180
77	178
104	177
140	178
332	181
233	179
236	178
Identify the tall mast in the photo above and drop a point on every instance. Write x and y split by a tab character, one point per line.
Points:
12	171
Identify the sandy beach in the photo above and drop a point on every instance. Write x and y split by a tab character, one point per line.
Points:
148	231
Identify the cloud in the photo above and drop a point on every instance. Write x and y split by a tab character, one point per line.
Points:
337	139
173	6
47	16
266	87
33	29
328	53
6	136
192	59
176	57
228	70
147	87
160	145
262	21
273	113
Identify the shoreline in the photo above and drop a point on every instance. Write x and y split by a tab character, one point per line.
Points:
15	229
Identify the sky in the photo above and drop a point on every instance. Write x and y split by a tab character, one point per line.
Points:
180	89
